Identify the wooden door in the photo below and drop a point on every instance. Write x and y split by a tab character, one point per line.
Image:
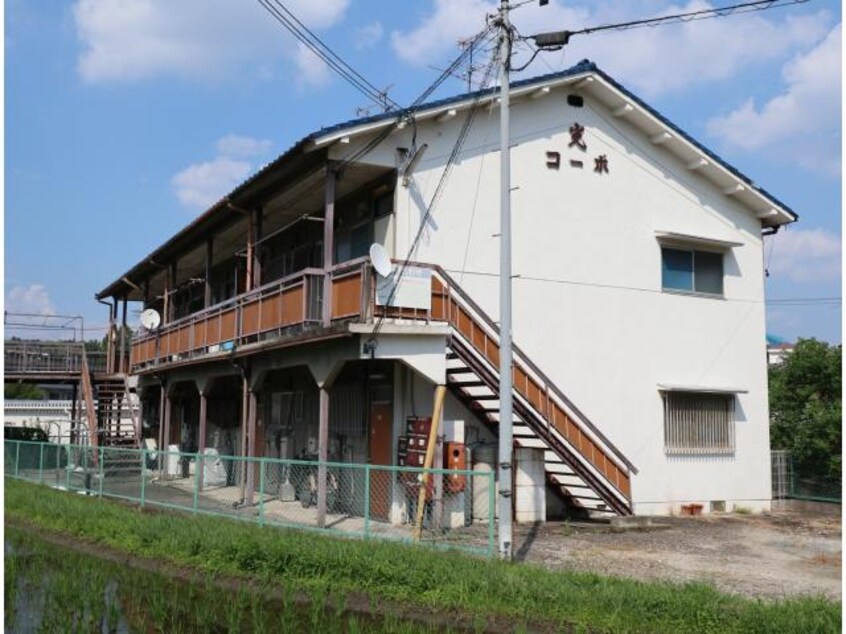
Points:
381	424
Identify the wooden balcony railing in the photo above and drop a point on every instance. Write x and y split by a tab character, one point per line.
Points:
287	306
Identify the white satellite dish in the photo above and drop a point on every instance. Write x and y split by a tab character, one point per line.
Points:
150	319
381	260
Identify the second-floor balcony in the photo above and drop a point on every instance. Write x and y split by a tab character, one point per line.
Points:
293	306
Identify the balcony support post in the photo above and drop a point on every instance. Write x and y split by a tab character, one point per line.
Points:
252	448
328	242
74	412
201	440
209	259
322	454
257	236
245	430
248	281
170	283
164	427
122	334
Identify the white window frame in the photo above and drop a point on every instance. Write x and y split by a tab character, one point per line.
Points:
708	429
692	243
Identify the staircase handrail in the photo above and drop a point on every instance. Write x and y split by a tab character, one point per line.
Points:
520	358
88	397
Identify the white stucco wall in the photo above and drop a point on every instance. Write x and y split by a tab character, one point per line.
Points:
588	306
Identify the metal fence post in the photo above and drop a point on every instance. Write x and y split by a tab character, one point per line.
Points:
143	475
261	490
196	487
17	456
491	512
40	463
68	467
792	477
102	472
367	501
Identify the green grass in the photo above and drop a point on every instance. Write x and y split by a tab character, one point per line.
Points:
49	589
441	582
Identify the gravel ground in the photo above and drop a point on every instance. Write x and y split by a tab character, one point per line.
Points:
775	555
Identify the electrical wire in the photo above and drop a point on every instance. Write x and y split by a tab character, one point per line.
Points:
436	196
691	16
408	114
317	46
780	301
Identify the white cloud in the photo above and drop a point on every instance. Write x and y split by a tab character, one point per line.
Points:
201	185
806	255
437	33
651	61
234	145
312	71
198	39
369	35
32	299
805	118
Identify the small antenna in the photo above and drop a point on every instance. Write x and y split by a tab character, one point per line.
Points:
366	111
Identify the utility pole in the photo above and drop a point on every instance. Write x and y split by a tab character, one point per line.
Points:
506	417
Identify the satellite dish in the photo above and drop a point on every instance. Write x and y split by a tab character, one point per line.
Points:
150	319
381	260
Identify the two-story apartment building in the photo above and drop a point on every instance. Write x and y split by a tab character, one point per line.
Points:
638	300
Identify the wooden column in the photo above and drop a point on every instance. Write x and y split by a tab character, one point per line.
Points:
122	334
209	260
252	469
328	243
323	454
248	282
257	236
139	430
73	413
167	300
201	440
164	427
245	415
110	338
171	284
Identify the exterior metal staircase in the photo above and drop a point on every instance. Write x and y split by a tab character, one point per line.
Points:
591	475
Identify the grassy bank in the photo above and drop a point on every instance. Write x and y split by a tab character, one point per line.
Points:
435	581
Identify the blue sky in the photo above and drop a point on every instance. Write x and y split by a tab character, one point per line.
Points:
124	119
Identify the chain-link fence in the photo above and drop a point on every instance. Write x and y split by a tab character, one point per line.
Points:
367	501
790	481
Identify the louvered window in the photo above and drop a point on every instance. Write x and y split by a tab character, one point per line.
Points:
698	423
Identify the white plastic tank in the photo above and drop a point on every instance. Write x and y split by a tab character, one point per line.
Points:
484	463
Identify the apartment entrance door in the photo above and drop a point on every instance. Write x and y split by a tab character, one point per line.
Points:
381	425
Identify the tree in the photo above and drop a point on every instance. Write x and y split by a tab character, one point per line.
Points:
805	407
23	392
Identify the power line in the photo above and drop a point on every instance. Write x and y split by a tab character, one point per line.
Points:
554	40
407	114
436	196
781	301
317	46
